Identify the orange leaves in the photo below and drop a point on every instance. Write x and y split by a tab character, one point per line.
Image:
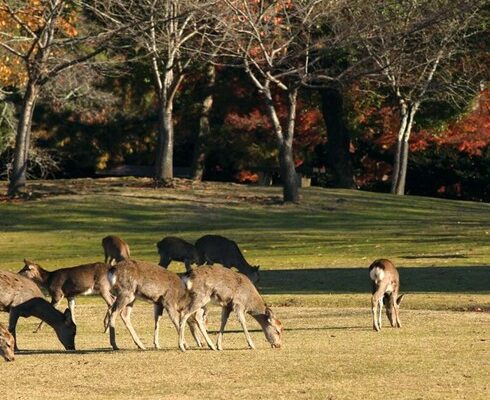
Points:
20	26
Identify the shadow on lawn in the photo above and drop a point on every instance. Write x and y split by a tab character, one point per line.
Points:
356	280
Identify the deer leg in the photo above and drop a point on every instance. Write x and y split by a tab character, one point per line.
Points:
109	299
71	306
158	312
126	317
120	302
397	301
13	318
188	267
194	306
194	328
225	313
389	302
202	328
164	261
243	323
377	306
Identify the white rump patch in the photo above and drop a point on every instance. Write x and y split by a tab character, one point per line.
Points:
111	275
187	282
377	274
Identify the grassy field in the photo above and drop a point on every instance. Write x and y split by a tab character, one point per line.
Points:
314	258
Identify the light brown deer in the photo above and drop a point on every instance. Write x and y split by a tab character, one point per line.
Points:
385	286
233	292
115	249
71	282
21	297
131	279
7	344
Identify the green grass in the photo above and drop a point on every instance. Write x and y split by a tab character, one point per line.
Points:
314	258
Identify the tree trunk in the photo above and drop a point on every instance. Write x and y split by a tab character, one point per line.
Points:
402	150
164	164
338	145
204	126
22	141
287	169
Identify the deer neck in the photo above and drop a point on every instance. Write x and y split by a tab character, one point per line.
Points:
257	309
44	278
40	308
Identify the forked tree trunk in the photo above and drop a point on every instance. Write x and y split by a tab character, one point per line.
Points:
22	141
164	171
204	125
400	166
338	144
284	139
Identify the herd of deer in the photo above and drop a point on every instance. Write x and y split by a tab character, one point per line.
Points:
120	280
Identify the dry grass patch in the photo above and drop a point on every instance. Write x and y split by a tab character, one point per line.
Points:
328	354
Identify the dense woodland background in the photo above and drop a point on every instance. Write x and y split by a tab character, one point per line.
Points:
121	83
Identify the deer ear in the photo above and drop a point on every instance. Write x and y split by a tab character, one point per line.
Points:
257	267
399	299
68	318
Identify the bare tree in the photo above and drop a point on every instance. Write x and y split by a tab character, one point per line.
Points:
272	41
48	39
409	41
161	30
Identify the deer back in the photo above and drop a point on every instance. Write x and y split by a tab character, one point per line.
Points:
116	247
147	280
16	289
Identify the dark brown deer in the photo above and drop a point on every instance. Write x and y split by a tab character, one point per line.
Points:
21	297
71	282
218	249
7	344
233	292
385	286
115	249
176	249
131	279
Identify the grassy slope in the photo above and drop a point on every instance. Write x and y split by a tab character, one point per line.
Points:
314	258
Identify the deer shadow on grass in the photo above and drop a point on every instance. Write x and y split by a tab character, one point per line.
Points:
67	352
474	279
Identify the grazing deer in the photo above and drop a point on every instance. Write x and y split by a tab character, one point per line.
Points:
115	249
233	292
21	297
7	344
70	282
131	279
218	249
175	249
386	284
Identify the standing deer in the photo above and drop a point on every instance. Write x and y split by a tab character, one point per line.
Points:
386	284
218	249
21	297
131	279
7	344
233	292
175	249
115	249
70	282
